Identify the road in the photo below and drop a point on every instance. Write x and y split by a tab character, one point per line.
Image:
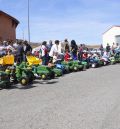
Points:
82	100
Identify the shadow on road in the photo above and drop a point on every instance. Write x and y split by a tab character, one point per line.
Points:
45	82
17	86
33	85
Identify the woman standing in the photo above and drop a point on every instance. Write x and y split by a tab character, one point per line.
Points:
74	49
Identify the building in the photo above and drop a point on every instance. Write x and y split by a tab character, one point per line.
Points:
111	36
8	26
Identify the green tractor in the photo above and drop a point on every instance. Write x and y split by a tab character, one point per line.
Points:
72	66
75	65
57	72
117	58
24	75
43	72
81	65
21	74
4	80
112	60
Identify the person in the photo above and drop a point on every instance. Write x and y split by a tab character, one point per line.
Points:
2	49
80	52
27	50
85	55
66	46
113	48
15	45
74	49
54	50
108	48
67	56
44	53
117	49
101	49
49	45
19	53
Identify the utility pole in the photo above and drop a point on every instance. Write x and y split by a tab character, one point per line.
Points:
28	21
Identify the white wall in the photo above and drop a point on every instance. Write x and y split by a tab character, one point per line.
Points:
117	39
109	36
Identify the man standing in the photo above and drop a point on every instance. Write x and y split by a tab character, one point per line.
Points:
19	53
108	49
44	53
54	50
80	52
27	49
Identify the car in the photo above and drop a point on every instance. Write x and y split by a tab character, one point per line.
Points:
95	50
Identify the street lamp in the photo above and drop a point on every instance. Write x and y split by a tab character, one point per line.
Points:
28	21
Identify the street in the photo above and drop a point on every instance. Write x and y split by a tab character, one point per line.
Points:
82	100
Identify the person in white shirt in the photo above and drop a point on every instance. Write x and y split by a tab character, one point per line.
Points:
54	50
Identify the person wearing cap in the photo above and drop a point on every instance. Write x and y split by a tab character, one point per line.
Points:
54	50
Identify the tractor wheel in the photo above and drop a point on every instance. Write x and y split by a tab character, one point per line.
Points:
75	68
24	81
43	76
105	63
56	75
93	65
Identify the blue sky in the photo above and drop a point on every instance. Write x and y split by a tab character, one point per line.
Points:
82	20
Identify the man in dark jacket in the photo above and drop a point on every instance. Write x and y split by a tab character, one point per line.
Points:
19	53
27	49
74	49
108	48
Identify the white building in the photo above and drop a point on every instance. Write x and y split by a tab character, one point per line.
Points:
111	36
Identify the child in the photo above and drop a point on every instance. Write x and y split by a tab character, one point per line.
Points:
67	56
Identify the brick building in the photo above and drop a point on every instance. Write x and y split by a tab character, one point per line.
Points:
8	26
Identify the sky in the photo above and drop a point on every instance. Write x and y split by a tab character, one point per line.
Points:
82	20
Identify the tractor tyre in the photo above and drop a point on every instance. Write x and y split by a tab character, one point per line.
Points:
24	81
75	69
43	76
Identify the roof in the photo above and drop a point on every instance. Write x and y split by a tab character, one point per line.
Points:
16	21
111	28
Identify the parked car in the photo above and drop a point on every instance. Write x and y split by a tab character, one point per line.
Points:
95	50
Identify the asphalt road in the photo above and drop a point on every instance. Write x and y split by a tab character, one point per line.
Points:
82	100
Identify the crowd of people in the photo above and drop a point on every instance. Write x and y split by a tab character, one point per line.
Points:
50	52
19	49
72	50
